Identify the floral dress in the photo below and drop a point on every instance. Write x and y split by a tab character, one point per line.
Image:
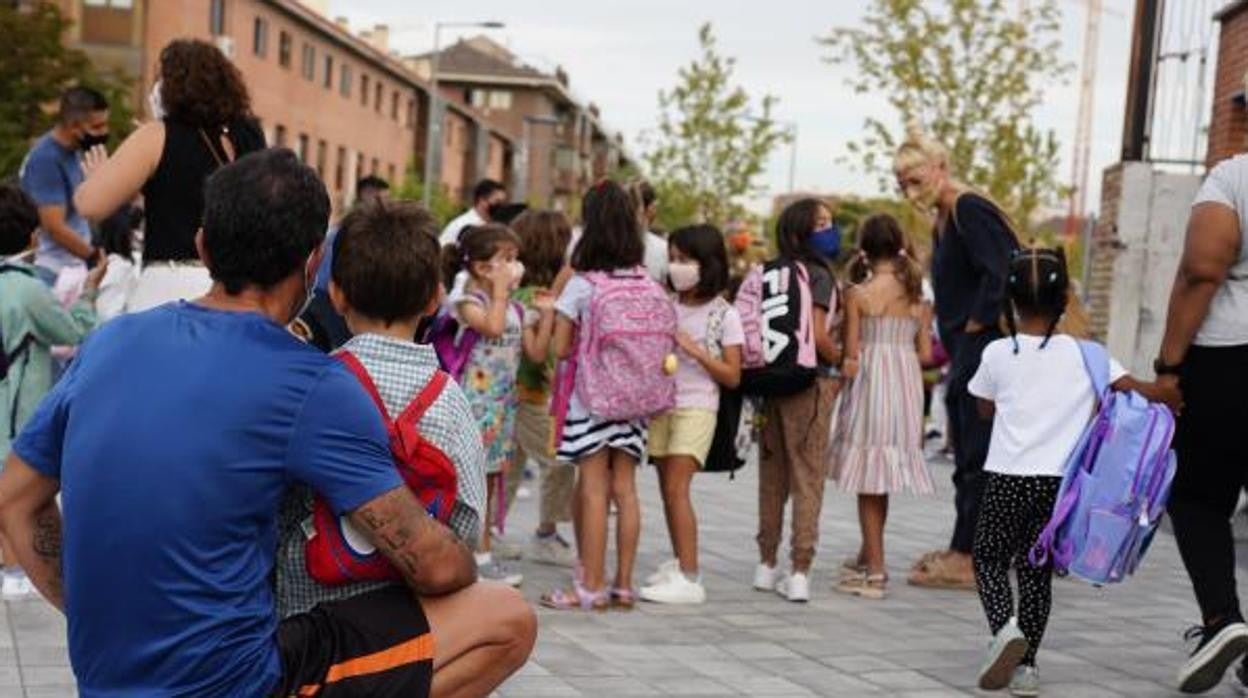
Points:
489	383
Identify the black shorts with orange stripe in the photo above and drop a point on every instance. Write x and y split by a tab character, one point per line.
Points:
375	644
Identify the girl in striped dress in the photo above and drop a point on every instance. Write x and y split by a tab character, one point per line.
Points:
880	448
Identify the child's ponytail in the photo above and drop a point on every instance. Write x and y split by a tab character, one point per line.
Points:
452	264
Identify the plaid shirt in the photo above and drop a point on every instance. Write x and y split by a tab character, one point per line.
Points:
400	370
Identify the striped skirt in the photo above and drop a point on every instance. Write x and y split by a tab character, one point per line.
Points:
585	435
879	437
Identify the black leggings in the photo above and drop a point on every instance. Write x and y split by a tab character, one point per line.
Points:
1013	512
1213	468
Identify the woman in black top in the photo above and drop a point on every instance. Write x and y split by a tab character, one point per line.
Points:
201	121
972	245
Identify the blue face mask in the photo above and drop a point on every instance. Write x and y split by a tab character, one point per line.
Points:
827	242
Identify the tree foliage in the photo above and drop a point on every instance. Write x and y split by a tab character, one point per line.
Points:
441	205
712	141
35	66
971	72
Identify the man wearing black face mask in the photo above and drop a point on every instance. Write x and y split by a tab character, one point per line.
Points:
487	197
52	171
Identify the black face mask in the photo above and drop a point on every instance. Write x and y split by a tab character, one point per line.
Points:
496	211
87	141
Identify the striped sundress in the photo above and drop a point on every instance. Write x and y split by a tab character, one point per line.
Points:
880	435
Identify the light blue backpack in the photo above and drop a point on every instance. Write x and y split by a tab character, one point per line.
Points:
1116	484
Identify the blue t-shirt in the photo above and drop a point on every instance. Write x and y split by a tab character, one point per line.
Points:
174	435
50	174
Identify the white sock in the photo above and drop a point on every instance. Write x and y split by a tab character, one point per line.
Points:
483	558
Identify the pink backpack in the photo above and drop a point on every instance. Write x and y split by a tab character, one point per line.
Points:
626	334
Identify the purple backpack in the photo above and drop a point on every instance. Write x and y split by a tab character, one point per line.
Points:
1116	484
453	342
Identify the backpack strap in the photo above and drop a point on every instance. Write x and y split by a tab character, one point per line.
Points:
1096	363
425	398
356	368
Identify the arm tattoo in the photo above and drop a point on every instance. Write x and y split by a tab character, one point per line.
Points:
403	531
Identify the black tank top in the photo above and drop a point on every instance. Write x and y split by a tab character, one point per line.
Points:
173	198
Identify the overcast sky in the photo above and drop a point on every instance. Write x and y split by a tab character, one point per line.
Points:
620	53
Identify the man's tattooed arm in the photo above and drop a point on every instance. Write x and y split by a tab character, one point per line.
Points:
32	523
428	554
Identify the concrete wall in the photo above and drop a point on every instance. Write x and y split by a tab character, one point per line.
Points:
1135	254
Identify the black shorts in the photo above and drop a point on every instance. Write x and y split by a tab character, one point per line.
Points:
374	644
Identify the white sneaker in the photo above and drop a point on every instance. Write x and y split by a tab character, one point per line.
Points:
499	571
551	550
16	586
1004	653
765	577
504	548
675	589
1026	682
665	570
523	493
795	587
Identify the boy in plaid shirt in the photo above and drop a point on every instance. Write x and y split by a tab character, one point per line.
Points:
384	280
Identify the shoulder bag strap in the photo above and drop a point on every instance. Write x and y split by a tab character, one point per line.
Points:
425	399
357	369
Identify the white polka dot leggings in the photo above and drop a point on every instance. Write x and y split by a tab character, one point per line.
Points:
1013	512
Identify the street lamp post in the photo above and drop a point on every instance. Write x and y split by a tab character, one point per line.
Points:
791	128
433	129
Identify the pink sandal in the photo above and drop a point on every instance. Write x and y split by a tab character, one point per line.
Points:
579	598
623	599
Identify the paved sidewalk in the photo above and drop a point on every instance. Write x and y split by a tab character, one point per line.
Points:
1124	641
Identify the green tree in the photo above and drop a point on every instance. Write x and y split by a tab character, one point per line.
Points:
712	141
441	205
970	71
35	67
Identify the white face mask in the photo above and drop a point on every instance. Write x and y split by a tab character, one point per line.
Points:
309	285
684	275
154	103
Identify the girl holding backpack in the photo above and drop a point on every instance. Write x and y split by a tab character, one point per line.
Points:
489	254
880	444
710	339
796	425
1037	385
615	330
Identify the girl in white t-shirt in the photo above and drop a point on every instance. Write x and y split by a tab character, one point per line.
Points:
1036	385
710	336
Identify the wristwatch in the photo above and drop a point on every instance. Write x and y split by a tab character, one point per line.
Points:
1161	368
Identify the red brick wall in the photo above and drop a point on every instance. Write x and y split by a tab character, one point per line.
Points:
1228	130
1103	250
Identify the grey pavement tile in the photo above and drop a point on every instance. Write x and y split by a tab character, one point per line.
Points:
538	687
901	680
695	686
51	692
612	686
48	676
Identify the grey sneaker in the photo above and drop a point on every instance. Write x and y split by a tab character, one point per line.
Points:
1026	682
1219	646
504	547
1004	653
498	571
551	550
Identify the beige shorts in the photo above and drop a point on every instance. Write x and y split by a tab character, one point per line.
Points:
682	432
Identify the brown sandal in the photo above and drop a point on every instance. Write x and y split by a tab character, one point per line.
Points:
935	573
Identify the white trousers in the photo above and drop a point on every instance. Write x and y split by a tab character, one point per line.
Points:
161	283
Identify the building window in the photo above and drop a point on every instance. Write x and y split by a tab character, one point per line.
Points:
390	169
260	37
216	17
303	148
279	136
346	81
376	167
359	165
115	4
321	147
394	105
409	116
364	90
500	100
283	49
329	72
340	171
308	66
377	99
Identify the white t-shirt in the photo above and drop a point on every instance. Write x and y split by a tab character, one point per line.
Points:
450	234
1044	401
695	389
656	257
1227	322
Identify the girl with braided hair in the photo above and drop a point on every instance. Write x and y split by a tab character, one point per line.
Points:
1035	384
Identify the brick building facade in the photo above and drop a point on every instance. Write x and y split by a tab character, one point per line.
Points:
343	102
1228	129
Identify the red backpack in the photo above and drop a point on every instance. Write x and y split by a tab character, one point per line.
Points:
337	553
